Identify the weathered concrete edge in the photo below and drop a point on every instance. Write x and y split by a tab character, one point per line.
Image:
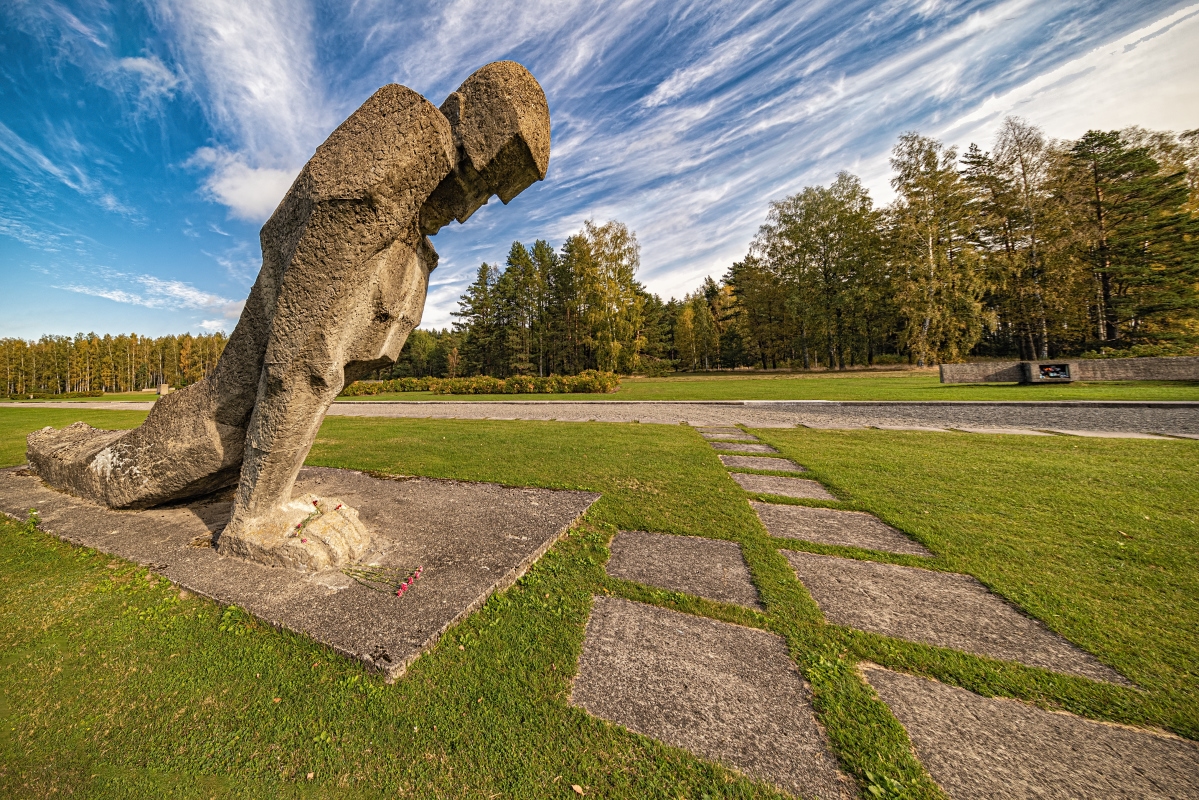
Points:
391	673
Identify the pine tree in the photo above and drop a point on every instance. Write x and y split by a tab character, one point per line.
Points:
939	286
478	321
1140	239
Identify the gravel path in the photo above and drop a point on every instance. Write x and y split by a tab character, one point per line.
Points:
1173	418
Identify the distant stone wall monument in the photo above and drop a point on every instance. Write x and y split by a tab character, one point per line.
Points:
1176	368
345	270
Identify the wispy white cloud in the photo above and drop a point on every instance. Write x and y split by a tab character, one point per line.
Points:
250	193
154	82
1149	77
253	70
34	166
148	291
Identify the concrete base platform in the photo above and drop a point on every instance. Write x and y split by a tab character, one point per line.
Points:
735	447
472	539
938	608
979	748
828	526
724	692
709	568
758	462
800	488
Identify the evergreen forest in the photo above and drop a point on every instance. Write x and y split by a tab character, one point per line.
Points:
1032	249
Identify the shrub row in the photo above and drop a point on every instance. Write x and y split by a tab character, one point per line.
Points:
1164	349
587	382
52	396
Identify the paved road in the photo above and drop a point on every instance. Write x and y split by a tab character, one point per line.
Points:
1171	418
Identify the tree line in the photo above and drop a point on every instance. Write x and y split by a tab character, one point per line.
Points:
1033	249
549	312
91	363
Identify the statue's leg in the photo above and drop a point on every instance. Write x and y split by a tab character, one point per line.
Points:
190	444
309	359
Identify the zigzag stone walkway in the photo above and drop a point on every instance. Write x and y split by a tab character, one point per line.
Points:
975	747
732	694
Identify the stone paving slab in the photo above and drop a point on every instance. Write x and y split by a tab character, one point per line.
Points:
784	487
979	748
759	462
471	538
736	447
729	437
1017	431
718	429
1173	417
709	568
938	608
724	692
829	526
1108	434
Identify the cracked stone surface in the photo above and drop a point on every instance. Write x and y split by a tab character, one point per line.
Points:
980	748
938	608
709	568
724	692
829	526
472	539
783	487
756	462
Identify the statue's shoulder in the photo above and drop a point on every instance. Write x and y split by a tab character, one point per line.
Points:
395	133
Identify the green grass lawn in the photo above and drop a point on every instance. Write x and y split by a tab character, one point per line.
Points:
898	385
113	685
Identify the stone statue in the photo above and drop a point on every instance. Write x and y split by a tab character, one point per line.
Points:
345	270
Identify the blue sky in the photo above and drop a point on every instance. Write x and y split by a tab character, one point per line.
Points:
142	145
